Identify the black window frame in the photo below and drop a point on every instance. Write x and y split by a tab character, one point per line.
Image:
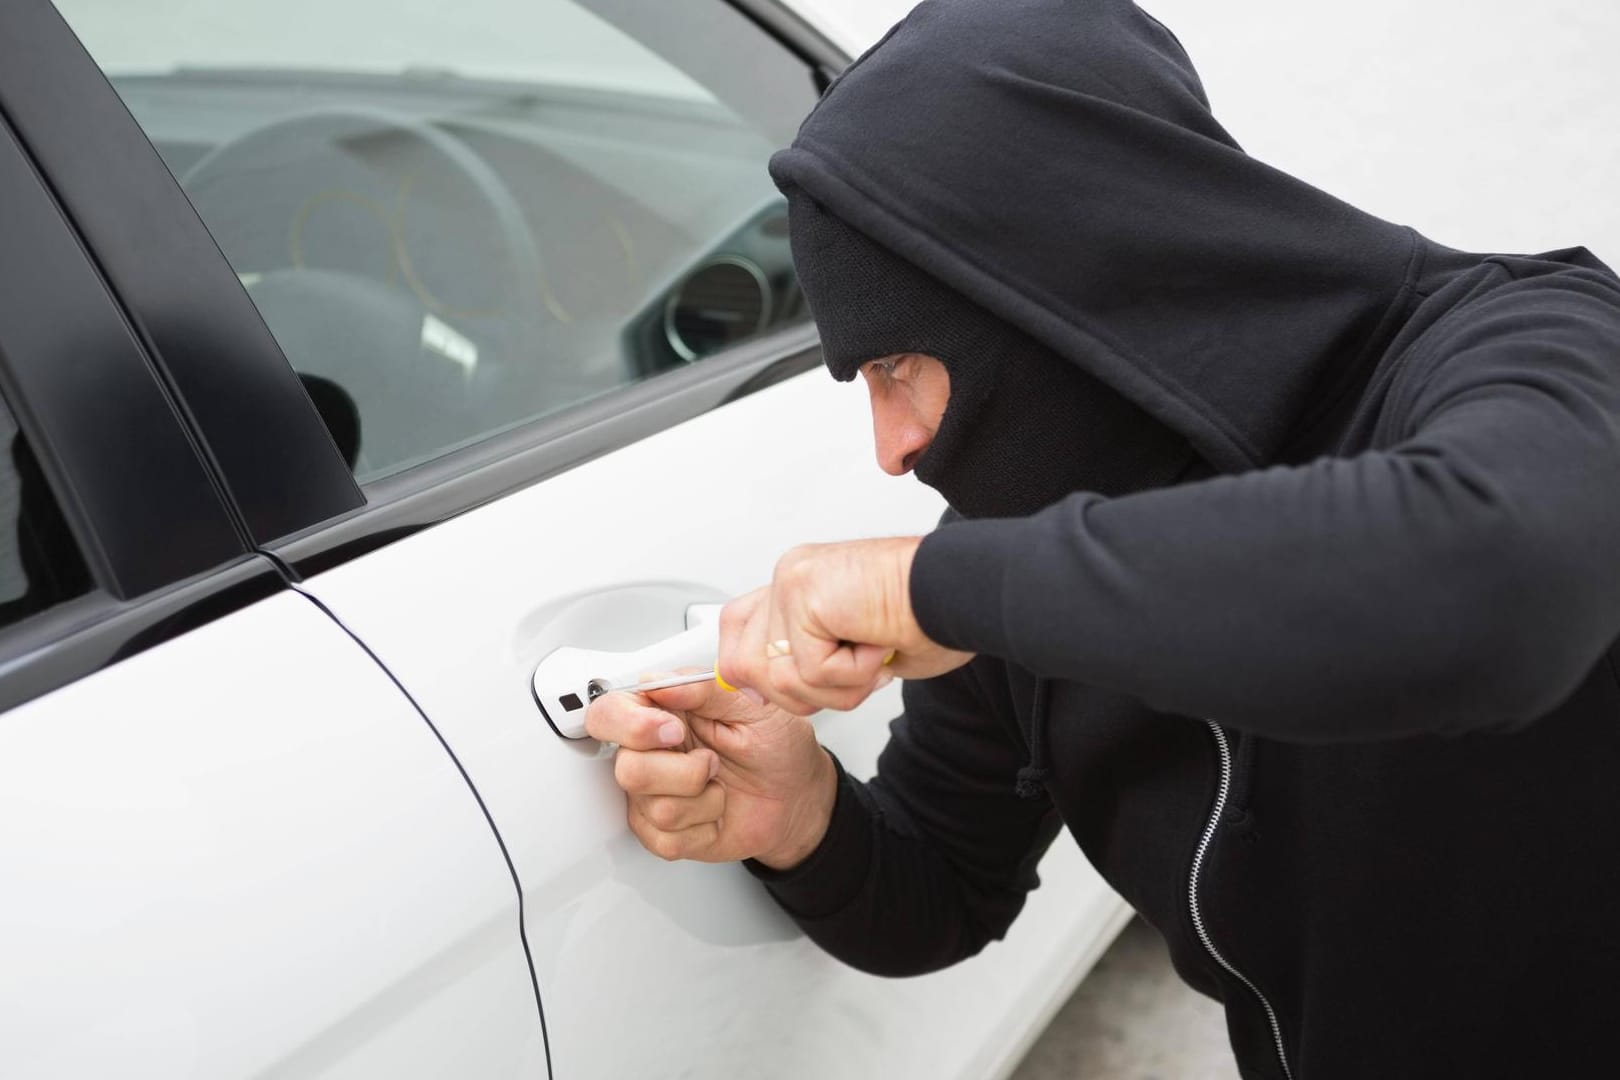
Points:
161	545
245	405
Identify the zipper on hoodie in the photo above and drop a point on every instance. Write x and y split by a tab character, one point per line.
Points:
1199	927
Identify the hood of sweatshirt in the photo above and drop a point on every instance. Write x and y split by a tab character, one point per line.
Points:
1057	164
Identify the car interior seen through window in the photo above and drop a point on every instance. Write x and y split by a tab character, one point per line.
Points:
40	565
455	218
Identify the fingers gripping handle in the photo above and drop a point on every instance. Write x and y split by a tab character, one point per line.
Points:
562	680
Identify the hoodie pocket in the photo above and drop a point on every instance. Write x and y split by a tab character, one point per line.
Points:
1245	752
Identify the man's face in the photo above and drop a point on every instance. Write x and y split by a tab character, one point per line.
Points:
909	392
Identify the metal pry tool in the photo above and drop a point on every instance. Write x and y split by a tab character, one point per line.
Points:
597	687
774	650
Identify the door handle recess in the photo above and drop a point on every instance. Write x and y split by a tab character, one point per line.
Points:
561	682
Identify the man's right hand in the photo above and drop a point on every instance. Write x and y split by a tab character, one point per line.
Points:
712	776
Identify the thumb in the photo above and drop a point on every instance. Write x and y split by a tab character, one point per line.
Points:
707	701
872	662
693	697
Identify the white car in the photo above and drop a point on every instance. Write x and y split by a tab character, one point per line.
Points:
356	355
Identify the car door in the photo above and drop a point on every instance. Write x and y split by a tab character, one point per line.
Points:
229	844
714	979
530	265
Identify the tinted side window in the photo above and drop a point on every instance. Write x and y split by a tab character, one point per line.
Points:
40	565
458	217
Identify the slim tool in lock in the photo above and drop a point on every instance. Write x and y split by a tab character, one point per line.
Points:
774	650
597	687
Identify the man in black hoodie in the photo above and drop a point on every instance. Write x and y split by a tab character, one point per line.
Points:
1283	568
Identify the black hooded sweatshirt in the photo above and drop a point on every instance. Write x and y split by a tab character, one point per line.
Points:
1342	718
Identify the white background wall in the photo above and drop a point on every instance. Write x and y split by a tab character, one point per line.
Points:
1492	125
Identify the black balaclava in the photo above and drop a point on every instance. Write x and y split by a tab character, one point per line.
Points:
1023	426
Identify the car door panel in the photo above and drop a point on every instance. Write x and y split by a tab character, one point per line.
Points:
229	845
695	959
243	853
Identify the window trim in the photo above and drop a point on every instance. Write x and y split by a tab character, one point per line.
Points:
76	639
464	479
799	35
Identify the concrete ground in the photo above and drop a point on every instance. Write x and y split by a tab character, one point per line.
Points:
1133	1019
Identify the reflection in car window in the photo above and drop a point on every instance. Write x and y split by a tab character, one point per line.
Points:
40	565
455	218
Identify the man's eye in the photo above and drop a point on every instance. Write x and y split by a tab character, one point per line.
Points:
883	367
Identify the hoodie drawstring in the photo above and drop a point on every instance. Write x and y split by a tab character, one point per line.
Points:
1032	776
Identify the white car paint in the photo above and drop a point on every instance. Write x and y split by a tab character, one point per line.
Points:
243	853
655	969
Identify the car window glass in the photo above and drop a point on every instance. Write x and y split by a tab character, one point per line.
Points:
40	565
456	218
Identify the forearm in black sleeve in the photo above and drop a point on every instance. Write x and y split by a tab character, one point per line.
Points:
1465	576
931	860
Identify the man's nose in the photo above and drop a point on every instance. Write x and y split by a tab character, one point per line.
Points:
899	437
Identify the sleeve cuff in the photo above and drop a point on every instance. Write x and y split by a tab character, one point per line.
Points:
958	581
833	875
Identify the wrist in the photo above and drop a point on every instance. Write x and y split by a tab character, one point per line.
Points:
809	820
907	633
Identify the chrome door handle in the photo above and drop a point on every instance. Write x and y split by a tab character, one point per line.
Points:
561	682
